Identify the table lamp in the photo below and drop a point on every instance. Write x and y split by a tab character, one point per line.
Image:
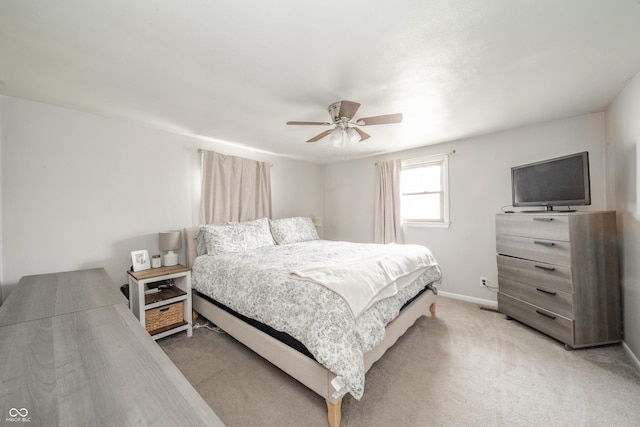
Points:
170	241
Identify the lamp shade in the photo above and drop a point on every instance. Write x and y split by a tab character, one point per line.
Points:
353	135
336	137
170	240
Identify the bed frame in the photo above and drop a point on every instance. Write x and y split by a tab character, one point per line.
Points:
302	368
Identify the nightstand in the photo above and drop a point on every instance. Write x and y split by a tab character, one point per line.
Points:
163	312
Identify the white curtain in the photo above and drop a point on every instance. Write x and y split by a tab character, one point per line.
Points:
388	224
234	189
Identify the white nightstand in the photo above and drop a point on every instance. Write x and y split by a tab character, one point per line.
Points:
156	305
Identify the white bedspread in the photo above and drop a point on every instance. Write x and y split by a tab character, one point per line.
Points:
256	284
362	281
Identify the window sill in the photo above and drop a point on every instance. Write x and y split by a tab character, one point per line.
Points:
426	224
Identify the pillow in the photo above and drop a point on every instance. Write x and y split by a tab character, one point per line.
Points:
200	243
238	236
292	230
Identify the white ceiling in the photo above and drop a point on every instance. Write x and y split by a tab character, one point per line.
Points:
237	71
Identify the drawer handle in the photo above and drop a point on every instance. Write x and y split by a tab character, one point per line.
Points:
162	310
543	219
548	244
542	313
544	267
544	291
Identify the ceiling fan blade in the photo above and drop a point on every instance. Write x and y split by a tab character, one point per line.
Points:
320	136
363	135
310	123
380	120
348	109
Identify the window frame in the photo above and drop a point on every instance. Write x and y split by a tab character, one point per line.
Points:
443	161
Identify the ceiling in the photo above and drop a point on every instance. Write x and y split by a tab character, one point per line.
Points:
237	71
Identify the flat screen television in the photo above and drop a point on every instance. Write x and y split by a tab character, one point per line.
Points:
563	181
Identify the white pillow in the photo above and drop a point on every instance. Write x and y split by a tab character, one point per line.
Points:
237	237
292	230
200	242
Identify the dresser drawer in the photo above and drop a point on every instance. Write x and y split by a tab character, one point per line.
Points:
550	226
536	249
556	302
548	276
549	323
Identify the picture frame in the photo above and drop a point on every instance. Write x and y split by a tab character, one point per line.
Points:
141	260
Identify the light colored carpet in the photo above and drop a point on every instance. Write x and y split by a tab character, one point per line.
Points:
466	367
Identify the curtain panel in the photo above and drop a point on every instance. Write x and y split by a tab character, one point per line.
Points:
233	189
387	220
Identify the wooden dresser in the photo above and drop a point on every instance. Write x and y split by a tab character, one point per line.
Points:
73	354
558	273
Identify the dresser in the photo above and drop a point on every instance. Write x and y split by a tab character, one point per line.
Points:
73	354
558	273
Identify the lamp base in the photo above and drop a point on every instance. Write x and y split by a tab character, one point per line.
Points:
170	259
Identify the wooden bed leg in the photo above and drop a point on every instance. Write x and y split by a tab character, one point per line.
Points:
432	309
334	413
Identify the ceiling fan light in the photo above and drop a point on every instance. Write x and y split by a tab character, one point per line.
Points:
345	130
345	138
336	137
354	136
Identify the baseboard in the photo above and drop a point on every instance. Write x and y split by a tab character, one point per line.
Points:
634	360
486	302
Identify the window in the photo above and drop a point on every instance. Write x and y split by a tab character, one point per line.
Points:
424	190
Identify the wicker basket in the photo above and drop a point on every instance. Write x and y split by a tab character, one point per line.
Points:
161	317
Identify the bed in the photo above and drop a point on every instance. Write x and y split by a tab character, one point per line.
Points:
245	275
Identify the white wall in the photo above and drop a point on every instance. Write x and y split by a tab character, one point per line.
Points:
623	142
81	191
1	186
480	184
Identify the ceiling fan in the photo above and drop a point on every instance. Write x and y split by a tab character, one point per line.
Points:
345	128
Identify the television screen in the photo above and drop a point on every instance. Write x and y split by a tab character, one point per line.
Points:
563	181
